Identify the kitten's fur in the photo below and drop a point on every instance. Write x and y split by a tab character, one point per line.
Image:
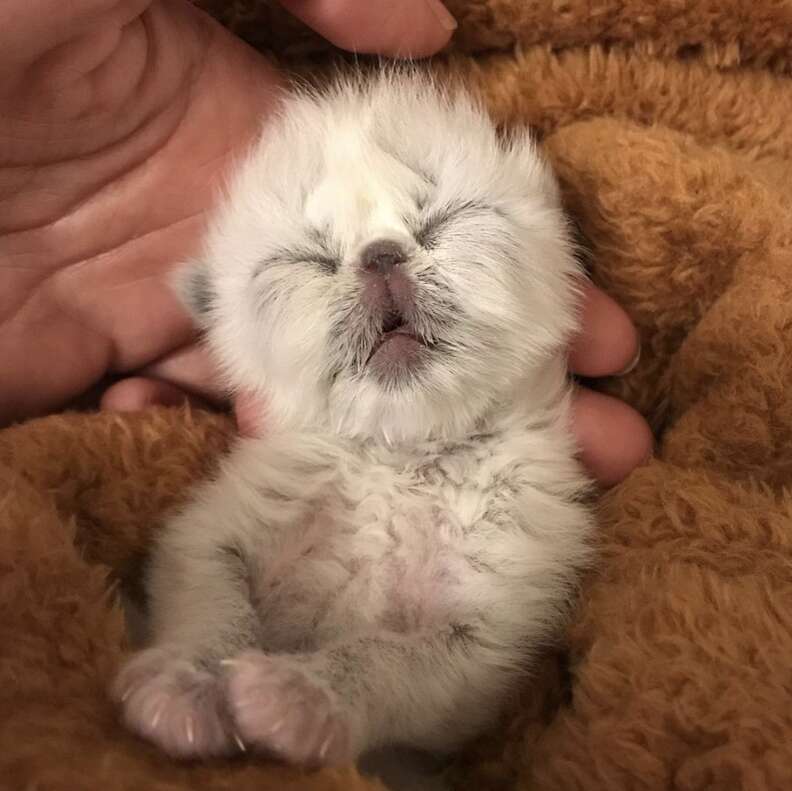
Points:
382	565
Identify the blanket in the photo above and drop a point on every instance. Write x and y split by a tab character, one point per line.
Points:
668	123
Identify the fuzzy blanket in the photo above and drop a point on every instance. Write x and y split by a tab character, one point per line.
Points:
669	124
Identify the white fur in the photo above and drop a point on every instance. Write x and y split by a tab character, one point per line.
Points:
383	565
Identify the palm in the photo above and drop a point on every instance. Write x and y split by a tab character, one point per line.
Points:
88	232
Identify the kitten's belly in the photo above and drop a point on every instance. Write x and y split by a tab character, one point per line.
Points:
344	572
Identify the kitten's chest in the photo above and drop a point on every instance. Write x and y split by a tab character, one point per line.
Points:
385	545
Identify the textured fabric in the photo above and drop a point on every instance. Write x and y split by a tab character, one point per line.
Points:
668	123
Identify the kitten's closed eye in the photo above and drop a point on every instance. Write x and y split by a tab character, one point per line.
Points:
438	220
324	262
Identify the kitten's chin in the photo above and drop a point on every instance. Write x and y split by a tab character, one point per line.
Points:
398	356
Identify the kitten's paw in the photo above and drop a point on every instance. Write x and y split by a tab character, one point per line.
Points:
168	700
280	707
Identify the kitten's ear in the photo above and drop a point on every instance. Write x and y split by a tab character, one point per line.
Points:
193	285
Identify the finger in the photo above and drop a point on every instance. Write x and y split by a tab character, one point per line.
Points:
613	438
137	393
189	369
249	414
608	343
409	28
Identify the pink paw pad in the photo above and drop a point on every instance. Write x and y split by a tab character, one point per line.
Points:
178	706
281	708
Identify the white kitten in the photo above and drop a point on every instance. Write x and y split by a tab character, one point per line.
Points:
397	283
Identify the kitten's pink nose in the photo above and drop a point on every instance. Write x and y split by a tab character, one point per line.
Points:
382	256
387	286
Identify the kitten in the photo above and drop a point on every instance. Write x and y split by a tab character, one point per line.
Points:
397	283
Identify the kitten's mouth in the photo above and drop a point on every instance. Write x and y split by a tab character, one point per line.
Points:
398	349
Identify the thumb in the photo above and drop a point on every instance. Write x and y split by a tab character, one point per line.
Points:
396	28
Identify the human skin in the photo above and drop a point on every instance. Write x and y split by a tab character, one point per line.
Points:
118	121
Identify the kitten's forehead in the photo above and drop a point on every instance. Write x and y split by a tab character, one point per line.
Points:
363	187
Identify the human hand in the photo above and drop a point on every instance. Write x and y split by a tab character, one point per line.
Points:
613	437
106	175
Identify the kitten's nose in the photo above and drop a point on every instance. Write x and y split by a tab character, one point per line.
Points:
382	256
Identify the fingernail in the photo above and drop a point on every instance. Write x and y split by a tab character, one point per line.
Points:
442	14
633	364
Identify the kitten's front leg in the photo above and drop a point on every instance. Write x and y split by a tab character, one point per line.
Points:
430	691
173	693
204	571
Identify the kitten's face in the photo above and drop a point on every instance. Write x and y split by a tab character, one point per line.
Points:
385	265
